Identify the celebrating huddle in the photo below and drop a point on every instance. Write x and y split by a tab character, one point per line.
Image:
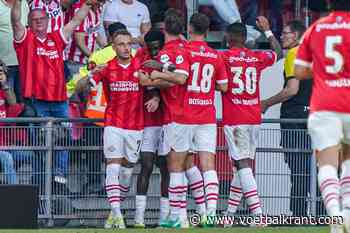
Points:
161	101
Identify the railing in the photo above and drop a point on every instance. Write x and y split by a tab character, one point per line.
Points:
82	199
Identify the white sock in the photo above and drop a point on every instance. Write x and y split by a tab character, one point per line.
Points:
176	189
113	188
211	186
140	209
124	180
164	208
196	185
330	189
183	205
345	185
235	194
250	191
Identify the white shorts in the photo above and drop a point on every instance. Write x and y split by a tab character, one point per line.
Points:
203	138
194	138
178	137
328	129
122	143
242	141
153	141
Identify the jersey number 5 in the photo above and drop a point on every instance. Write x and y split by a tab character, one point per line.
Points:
248	84
333	54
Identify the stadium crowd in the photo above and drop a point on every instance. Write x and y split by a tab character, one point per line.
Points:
155	88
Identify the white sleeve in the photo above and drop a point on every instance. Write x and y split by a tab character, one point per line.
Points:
109	13
146	17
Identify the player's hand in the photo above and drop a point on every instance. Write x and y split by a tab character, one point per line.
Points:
153	64
264	106
263	23
152	104
155	75
97	69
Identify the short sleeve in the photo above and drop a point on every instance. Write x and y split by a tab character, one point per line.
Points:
146	18
18	43
304	55
221	76
182	63
109	13
289	63
98	77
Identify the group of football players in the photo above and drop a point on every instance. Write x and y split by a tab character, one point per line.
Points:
161	103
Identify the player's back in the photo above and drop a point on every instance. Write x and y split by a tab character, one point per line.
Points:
241	103
207	69
326	48
174	52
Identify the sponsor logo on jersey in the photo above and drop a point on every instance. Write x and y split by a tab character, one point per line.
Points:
164	58
179	60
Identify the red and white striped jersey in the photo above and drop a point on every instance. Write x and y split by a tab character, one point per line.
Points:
90	26
54	10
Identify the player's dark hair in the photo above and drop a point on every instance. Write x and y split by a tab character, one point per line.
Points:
340	5
200	23
297	26
174	22
157	18
121	32
236	31
154	35
114	27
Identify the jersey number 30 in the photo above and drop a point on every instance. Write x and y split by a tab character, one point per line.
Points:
247	84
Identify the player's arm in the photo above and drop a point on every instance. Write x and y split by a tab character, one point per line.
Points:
147	82
144	28
78	18
285	94
263	24
91	79
172	77
303	62
302	72
292	85
17	27
221	77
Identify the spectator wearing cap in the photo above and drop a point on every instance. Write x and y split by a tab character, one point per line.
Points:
43	81
133	14
9	137
86	37
7	52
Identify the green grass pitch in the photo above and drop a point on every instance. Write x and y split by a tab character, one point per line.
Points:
191	230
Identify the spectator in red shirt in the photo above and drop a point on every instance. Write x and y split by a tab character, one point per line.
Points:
43	81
